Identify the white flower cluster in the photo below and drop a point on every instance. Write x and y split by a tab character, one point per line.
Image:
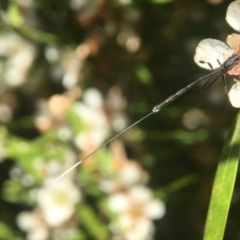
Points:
56	204
130	199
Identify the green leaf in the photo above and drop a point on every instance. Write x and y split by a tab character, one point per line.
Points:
74	120
223	185
25	153
8	233
14	192
161	1
14	15
143	74
92	223
176	185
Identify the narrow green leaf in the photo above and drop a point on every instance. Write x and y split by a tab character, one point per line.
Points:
223	185
91	221
161	1
176	185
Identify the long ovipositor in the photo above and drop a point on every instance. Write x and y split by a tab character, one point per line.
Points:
211	78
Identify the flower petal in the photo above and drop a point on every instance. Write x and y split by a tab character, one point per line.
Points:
210	51
233	41
235	70
140	194
234	95
119	202
232	16
28	221
57	201
155	209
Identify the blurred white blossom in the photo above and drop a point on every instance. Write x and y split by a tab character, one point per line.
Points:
57	201
19	55
52	112
126	173
94	121
136	208
34	225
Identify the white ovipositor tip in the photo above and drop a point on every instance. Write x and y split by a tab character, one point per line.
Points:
66	172
234	95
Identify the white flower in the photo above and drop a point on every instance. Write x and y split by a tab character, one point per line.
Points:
19	55
19	65
51	169
214	52
211	53
95	123
93	98
136	209
234	95
233	15
125	173
33	224
57	201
